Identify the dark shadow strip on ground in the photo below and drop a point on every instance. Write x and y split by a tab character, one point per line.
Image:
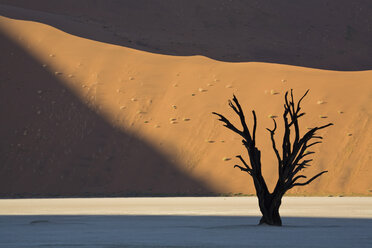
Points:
181	231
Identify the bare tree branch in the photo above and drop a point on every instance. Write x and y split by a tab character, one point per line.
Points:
239	111
228	124
299	101
308	181
242	169
298	177
318	142
286	145
290	163
254	127
245	164
272	133
233	107
300	167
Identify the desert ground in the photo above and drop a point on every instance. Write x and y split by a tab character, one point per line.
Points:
184	222
96	105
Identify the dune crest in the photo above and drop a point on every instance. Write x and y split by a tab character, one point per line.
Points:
283	32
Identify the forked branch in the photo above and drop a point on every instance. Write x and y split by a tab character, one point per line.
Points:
228	124
272	133
248	140
294	155
293	160
308	181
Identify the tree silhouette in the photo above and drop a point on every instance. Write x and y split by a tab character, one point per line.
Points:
293	160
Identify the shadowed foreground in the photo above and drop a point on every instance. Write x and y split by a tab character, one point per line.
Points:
181	231
183	222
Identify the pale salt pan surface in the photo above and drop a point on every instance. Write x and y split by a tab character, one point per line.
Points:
184	222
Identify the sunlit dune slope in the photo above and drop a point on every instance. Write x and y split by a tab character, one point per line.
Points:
167	101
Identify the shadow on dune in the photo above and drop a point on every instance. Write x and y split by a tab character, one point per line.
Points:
333	35
182	231
52	144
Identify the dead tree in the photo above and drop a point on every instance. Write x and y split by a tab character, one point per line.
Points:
294	157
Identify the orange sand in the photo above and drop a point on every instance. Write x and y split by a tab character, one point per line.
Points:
158	135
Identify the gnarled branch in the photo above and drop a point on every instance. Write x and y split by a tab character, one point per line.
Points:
245	164
228	124
293	159
308	181
272	133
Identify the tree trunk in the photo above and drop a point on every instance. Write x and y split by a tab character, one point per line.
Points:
269	206
289	164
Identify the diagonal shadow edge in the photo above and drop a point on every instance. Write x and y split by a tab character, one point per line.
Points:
52	144
262	33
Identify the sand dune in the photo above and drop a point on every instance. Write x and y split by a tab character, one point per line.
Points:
333	35
156	131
